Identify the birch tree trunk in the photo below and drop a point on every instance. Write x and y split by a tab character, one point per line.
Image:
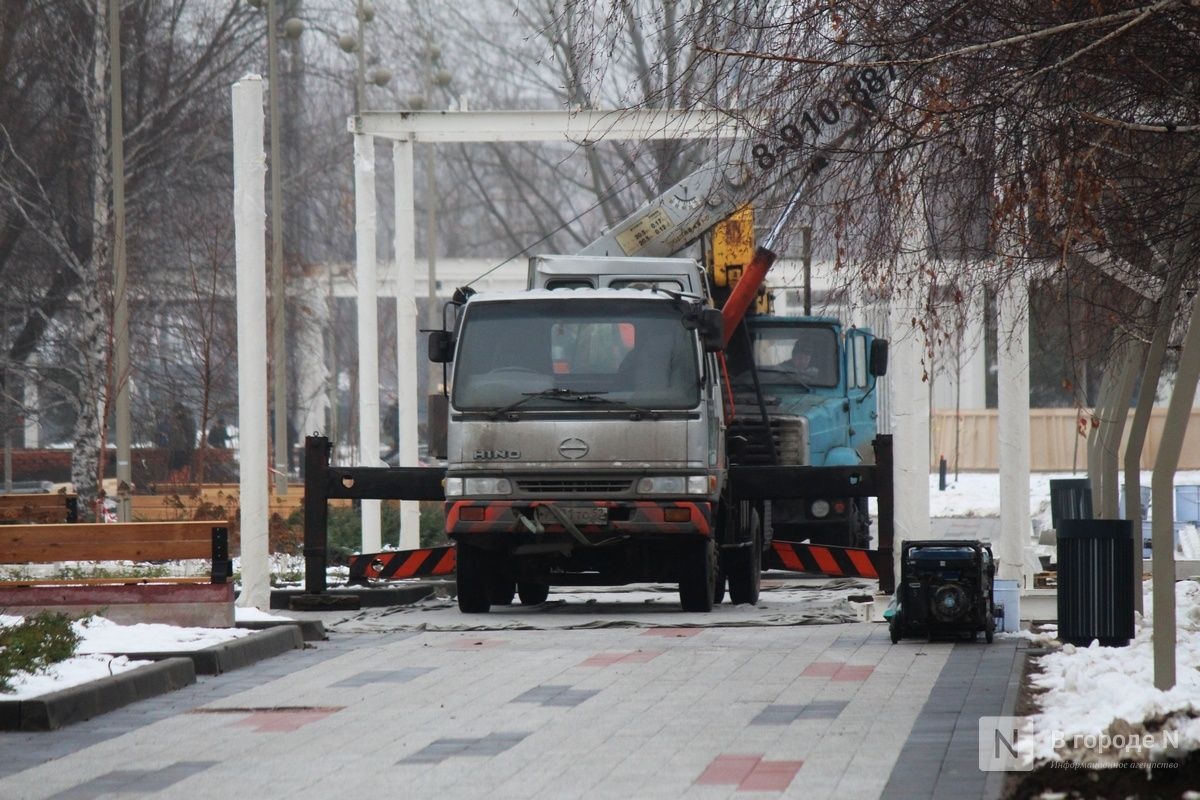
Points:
93	332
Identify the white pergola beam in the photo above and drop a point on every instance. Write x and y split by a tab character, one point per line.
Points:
577	127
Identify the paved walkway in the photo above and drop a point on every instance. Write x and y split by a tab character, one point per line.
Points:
673	712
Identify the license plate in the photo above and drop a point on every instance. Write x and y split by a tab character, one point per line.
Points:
596	515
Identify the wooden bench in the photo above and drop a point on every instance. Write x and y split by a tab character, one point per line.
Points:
38	508
185	601
173	502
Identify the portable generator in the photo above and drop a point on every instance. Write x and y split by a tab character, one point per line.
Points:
945	590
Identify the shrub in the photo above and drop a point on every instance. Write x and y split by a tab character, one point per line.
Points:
34	645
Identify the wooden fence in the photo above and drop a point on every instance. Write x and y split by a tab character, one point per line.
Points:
970	440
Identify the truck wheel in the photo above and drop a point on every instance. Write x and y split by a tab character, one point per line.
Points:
531	593
473	579
698	582
501	589
745	574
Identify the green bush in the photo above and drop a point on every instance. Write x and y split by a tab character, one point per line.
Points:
34	645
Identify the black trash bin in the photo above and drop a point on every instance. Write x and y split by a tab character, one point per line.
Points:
1070	498
1095	581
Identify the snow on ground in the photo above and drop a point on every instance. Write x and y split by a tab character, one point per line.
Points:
100	638
1101	706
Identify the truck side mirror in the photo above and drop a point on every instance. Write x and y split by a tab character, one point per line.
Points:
712	330
878	362
441	347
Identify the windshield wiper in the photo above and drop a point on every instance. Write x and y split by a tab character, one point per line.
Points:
637	412
567	395
554	394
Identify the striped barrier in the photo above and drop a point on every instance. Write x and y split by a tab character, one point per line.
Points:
838	562
400	564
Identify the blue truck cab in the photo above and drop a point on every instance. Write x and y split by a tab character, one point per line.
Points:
803	391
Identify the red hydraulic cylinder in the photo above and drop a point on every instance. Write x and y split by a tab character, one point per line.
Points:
743	294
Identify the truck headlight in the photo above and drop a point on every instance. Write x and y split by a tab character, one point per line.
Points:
673	484
458	487
476	486
819	509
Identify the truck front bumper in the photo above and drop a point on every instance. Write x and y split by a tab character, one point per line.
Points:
597	518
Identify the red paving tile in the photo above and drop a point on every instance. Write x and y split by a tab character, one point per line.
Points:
822	669
728	769
750	773
770	776
608	659
675	633
853	673
284	720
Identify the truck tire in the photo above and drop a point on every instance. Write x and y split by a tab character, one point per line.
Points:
698	581
532	593
502	589
745	567
473	574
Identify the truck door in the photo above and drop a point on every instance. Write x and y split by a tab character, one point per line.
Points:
860	389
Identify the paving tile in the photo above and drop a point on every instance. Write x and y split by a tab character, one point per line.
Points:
731	769
439	750
283	720
139	781
674	633
608	659
402	675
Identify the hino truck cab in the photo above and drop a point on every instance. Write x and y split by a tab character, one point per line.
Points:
585	444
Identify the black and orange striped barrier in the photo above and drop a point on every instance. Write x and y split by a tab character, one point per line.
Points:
400	564
838	562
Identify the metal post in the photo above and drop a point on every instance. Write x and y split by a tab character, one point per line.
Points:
316	512
806	254
120	283
278	303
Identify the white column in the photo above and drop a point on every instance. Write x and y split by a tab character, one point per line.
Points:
972	378
249	208
909	405
405	250
961	379
1013	383
368	329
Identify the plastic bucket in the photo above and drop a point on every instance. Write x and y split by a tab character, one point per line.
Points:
1008	594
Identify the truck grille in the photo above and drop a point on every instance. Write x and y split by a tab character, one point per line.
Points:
549	486
789	434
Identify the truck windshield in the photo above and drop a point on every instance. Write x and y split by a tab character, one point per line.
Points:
805	355
536	352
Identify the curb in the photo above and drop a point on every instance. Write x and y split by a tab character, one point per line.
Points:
79	703
237	653
367	596
312	630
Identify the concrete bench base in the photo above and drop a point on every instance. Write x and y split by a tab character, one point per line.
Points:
200	605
